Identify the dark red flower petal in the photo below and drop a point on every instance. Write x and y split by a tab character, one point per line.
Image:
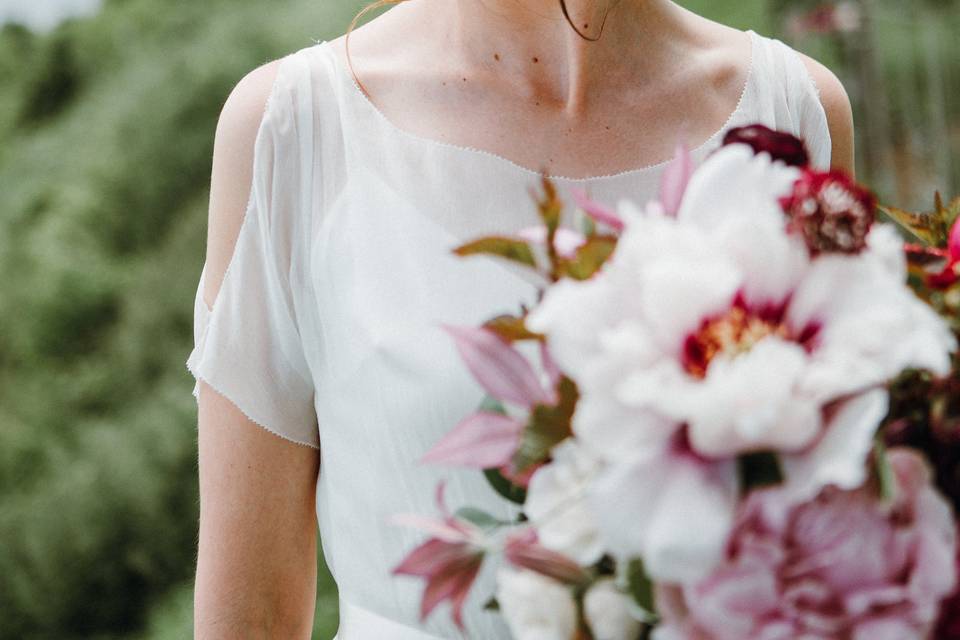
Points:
779	144
832	212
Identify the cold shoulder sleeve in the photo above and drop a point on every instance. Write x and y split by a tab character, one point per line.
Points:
810	114
249	346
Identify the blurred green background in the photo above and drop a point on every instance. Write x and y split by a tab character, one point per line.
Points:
106	132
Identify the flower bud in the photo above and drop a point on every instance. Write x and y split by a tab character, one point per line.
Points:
779	144
607	611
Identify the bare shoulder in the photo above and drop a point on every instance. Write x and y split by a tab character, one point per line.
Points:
836	105
232	168
245	105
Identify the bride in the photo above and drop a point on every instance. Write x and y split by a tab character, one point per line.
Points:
342	177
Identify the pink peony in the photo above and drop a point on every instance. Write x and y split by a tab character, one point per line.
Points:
842	566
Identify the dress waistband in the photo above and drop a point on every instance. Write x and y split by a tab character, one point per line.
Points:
357	623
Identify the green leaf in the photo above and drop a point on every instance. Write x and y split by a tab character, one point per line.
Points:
640	588
591	256
479	518
587	226
504	487
492	405
549	206
760	469
510	328
884	472
930	227
502	246
547	427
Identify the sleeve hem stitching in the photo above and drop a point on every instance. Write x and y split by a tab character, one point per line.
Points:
198	377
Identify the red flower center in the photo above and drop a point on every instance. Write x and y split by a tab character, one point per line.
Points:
736	332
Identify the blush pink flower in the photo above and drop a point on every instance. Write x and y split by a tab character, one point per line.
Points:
716	333
844	566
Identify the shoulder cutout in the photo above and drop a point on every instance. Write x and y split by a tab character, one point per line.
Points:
836	105
232	171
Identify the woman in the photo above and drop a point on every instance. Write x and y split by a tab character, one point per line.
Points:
324	329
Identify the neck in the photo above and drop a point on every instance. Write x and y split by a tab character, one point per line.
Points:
534	44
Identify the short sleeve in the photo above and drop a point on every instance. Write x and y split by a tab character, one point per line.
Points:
248	346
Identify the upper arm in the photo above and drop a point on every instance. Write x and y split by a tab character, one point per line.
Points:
836	105
256	565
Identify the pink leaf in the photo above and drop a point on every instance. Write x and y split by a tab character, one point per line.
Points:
673	182
452	531
431	557
481	440
452	583
595	210
524	551
450	570
498	367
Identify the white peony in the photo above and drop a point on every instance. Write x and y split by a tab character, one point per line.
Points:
607	611
715	333
556	503
534	606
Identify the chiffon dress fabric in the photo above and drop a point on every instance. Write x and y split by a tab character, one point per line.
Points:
326	329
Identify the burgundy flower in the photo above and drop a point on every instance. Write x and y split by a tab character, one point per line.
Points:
779	144
833	212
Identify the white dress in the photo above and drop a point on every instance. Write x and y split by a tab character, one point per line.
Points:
326	328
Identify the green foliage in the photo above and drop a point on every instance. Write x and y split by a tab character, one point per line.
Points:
106	133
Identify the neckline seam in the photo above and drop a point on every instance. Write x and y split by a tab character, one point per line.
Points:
343	74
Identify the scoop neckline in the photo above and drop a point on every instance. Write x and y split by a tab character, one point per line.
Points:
344	73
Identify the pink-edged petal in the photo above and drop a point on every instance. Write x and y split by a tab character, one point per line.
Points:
839	456
595	210
525	552
647	507
480	441
498	367
675	178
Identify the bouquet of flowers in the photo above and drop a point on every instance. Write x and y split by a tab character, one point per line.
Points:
746	422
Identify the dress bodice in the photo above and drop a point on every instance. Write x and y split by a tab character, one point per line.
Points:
326	330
